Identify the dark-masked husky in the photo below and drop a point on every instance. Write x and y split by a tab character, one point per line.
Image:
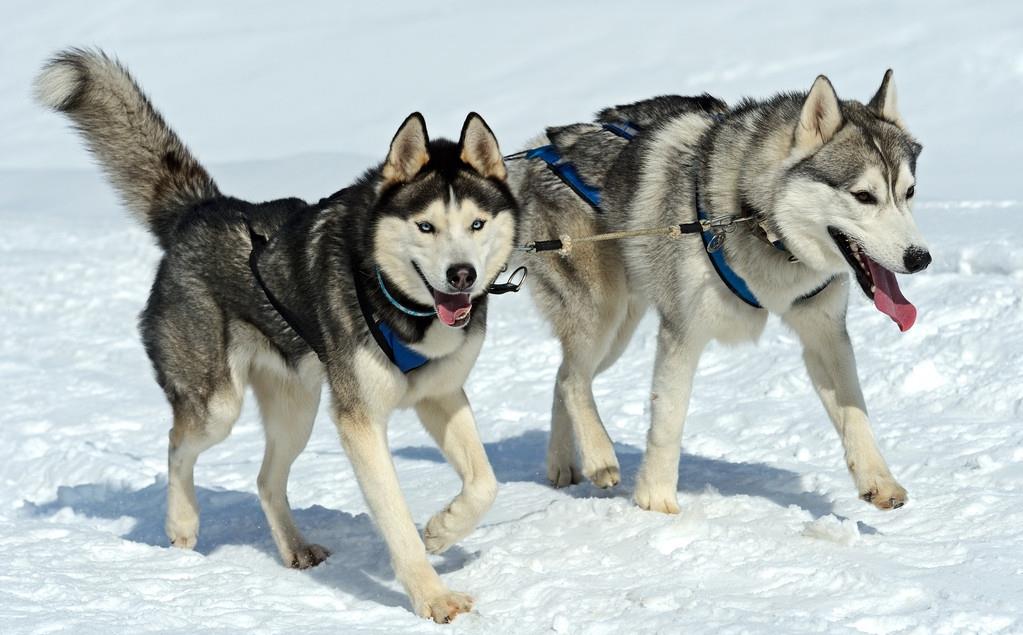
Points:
380	290
814	187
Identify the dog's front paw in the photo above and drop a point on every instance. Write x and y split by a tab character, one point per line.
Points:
605	476
444	530
602	469
306	556
883	492
445	606
656	498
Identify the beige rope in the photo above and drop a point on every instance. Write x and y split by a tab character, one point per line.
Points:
568	242
674	231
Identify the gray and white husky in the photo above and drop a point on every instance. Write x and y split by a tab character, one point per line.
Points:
380	290
814	187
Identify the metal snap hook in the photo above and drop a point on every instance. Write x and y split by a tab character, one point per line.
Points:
512	284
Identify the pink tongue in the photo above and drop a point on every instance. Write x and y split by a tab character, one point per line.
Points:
452	307
888	297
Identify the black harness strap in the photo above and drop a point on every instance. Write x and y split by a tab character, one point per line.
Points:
813	293
367	315
309	336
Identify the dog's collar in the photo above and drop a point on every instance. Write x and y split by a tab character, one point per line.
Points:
394	302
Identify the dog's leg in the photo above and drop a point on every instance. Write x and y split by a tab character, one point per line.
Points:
288	408
562	470
561	467
634	313
449	421
365	442
574	388
197	427
831	365
583	301
674	367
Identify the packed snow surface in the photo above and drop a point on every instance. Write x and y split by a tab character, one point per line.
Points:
281	99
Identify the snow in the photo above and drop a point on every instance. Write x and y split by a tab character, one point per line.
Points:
287	100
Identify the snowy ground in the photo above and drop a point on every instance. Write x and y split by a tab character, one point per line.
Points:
280	100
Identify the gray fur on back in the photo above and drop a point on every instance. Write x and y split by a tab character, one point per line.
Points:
647	112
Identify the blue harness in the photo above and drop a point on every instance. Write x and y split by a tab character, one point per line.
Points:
397	350
732	280
711	241
567	173
401	354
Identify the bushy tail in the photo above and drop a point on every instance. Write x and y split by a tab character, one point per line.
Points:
154	173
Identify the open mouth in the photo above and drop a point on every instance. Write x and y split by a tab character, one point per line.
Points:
878	283
453	309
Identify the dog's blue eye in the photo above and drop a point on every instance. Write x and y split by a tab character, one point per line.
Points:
425	227
478	224
865	197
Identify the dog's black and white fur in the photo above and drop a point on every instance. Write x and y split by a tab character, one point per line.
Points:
833	179
436	219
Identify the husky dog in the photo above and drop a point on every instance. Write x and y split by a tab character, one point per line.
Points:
811	187
391	271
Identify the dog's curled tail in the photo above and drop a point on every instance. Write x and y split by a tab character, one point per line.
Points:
156	176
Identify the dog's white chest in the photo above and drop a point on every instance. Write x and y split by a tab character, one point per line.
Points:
439	340
452	353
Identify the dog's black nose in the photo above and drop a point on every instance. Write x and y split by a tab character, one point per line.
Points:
916	259
461	276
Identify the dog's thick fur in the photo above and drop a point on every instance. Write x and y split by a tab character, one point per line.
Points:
211	331
797	160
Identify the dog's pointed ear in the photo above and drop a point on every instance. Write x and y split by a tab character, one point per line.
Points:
885	102
479	148
409	151
821	117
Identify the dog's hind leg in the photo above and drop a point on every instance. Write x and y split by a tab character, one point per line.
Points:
561	467
575	421
634	313
678	353
573	400
831	364
199	424
450	422
203	377
584	298
562	470
287	402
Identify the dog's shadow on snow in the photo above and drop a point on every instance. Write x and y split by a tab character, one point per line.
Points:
359	559
521	459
